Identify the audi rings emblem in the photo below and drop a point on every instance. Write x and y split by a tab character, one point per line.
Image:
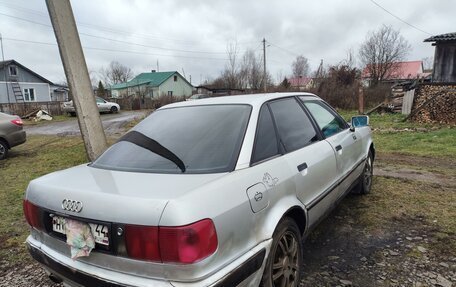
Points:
71	205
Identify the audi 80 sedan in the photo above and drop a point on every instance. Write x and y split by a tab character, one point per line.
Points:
214	192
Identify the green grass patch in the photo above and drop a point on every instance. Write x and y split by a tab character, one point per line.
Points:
392	134
59	118
40	155
435	143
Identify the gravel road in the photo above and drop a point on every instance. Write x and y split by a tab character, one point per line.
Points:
112	123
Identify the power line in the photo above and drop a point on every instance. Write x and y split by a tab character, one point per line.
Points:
403	21
115	50
286	50
109	29
115	40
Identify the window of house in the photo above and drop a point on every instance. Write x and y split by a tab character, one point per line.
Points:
175	78
266	145
328	122
293	125
29	95
13	70
170	93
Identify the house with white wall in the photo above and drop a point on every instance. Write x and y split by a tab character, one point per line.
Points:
152	85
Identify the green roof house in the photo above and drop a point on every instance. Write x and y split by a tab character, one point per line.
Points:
154	84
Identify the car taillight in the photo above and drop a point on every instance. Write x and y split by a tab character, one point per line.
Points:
188	244
142	242
182	244
17	122
32	214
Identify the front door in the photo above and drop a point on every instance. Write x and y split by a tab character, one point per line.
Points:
345	143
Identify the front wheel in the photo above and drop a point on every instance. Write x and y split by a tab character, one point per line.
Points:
114	109
283	266
364	185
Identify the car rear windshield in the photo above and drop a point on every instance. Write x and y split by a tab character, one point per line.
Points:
194	139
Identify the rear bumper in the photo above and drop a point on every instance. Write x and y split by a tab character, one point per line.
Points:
16	138
243	271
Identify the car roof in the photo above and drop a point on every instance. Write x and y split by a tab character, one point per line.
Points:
252	99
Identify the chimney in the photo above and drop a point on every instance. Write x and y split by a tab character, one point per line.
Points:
153	71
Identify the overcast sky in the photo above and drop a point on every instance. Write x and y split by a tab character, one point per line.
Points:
192	36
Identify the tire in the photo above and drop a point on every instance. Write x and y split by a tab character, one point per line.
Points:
73	114
364	185
283	266
3	149
114	110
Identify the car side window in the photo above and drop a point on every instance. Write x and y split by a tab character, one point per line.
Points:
266	139
100	101
326	120
293	125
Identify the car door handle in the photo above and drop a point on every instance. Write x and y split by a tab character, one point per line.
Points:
338	148
302	167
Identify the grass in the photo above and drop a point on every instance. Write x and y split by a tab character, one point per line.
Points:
393	135
59	118
409	203
38	156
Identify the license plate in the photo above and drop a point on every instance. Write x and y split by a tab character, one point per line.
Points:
100	232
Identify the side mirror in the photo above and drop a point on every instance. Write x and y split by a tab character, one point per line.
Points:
359	121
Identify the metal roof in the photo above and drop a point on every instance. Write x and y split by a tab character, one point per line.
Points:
153	79
442	37
14	62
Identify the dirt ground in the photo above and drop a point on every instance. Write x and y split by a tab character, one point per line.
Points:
343	251
407	251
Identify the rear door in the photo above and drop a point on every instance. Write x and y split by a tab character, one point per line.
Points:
345	143
311	159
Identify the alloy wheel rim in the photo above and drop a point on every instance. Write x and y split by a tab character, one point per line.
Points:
368	173
285	264
2	150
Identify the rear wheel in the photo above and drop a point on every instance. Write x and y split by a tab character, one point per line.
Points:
3	149
283	267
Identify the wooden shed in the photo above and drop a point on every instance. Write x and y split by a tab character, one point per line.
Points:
444	58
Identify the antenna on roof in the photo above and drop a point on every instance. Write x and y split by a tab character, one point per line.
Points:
158	66
183	73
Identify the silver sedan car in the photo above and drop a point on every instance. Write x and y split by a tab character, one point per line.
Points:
11	133
214	192
103	107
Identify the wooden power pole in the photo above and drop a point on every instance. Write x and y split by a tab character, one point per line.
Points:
75	67
265	86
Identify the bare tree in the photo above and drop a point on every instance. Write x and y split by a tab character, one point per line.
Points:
428	63
381	51
116	73
231	70
300	67
251	71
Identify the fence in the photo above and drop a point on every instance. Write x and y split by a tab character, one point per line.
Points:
54	108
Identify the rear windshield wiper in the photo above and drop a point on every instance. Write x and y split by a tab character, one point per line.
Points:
143	141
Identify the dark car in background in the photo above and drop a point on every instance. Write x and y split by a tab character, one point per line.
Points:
11	133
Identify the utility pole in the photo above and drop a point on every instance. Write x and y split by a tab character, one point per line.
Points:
4	70
264	65
75	67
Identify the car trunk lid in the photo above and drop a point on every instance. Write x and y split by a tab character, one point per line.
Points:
112	196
